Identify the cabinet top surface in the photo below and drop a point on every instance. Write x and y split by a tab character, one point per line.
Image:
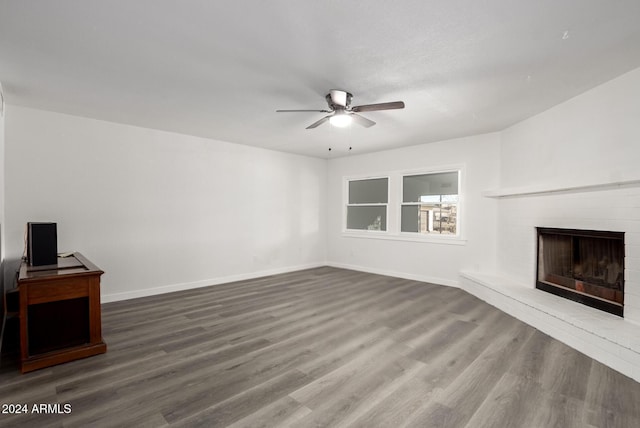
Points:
76	264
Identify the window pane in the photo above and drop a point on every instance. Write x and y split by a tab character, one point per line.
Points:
436	199
410	216
372	191
429	218
367	217
417	187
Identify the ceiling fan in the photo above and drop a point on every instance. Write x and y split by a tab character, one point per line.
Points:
342	113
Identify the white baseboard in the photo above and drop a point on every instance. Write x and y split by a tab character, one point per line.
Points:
115	297
403	275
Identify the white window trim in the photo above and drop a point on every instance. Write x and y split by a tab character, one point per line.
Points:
405	236
346	205
394	200
420	236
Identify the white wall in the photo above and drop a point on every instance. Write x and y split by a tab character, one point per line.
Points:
160	211
428	261
592	138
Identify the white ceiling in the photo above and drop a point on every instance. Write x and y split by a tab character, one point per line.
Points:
220	69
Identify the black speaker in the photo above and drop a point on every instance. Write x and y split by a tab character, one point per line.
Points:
42	245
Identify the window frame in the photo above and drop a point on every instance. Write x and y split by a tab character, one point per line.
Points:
394	207
346	205
401	204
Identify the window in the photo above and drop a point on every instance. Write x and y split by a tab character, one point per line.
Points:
367	204
430	203
425	205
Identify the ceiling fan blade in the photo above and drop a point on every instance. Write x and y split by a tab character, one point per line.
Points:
360	120
318	123
381	106
293	111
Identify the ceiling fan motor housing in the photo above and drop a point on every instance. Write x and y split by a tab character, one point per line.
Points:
338	100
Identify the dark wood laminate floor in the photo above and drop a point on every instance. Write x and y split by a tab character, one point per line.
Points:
323	347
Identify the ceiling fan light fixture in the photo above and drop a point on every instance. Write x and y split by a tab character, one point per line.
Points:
340	120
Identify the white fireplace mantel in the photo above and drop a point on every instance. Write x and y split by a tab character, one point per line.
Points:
545	189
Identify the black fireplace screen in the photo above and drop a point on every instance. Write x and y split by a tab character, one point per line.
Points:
583	265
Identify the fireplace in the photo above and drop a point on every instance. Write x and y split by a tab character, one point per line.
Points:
586	266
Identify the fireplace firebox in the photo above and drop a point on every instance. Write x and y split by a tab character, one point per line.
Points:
586	266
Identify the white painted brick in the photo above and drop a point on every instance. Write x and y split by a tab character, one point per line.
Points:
632	262
632	201
632	250
632	313
632	237
631	275
632	287
624	213
629	356
631	300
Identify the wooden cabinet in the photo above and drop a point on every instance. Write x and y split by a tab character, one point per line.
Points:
59	312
